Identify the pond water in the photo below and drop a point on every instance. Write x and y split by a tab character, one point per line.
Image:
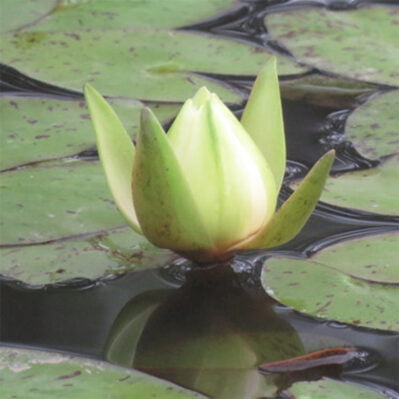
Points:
202	333
207	329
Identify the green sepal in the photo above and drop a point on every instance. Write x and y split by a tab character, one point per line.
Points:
263	120
288	221
164	203
116	152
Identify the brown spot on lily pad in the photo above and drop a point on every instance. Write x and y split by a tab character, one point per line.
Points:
72	375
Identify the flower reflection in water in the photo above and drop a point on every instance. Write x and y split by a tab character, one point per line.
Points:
209	335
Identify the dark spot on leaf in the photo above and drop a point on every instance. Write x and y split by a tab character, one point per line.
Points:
73	35
67	376
324	307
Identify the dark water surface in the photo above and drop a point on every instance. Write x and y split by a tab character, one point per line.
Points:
196	328
205	329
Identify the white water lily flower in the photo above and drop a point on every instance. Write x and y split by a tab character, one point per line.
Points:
209	187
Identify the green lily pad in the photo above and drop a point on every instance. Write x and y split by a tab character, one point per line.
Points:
39	375
374	126
104	14
368	258
36	129
95	257
14	15
137	63
360	43
49	203
360	258
354	282
324	91
327	388
373	190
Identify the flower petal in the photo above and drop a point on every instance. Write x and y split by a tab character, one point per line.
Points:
288	221
116	152
164	203
230	180
263	120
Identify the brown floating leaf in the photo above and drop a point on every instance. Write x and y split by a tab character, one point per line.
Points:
332	356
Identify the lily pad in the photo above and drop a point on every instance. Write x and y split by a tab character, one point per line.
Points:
15	15
373	190
95	257
374	126
159	65
104	14
368	258
39	375
324	91
360	43
36	129
354	282
48	203
327	388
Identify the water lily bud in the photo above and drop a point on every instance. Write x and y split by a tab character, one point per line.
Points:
229	179
209	187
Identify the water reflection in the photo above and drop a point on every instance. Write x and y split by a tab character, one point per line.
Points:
209	335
